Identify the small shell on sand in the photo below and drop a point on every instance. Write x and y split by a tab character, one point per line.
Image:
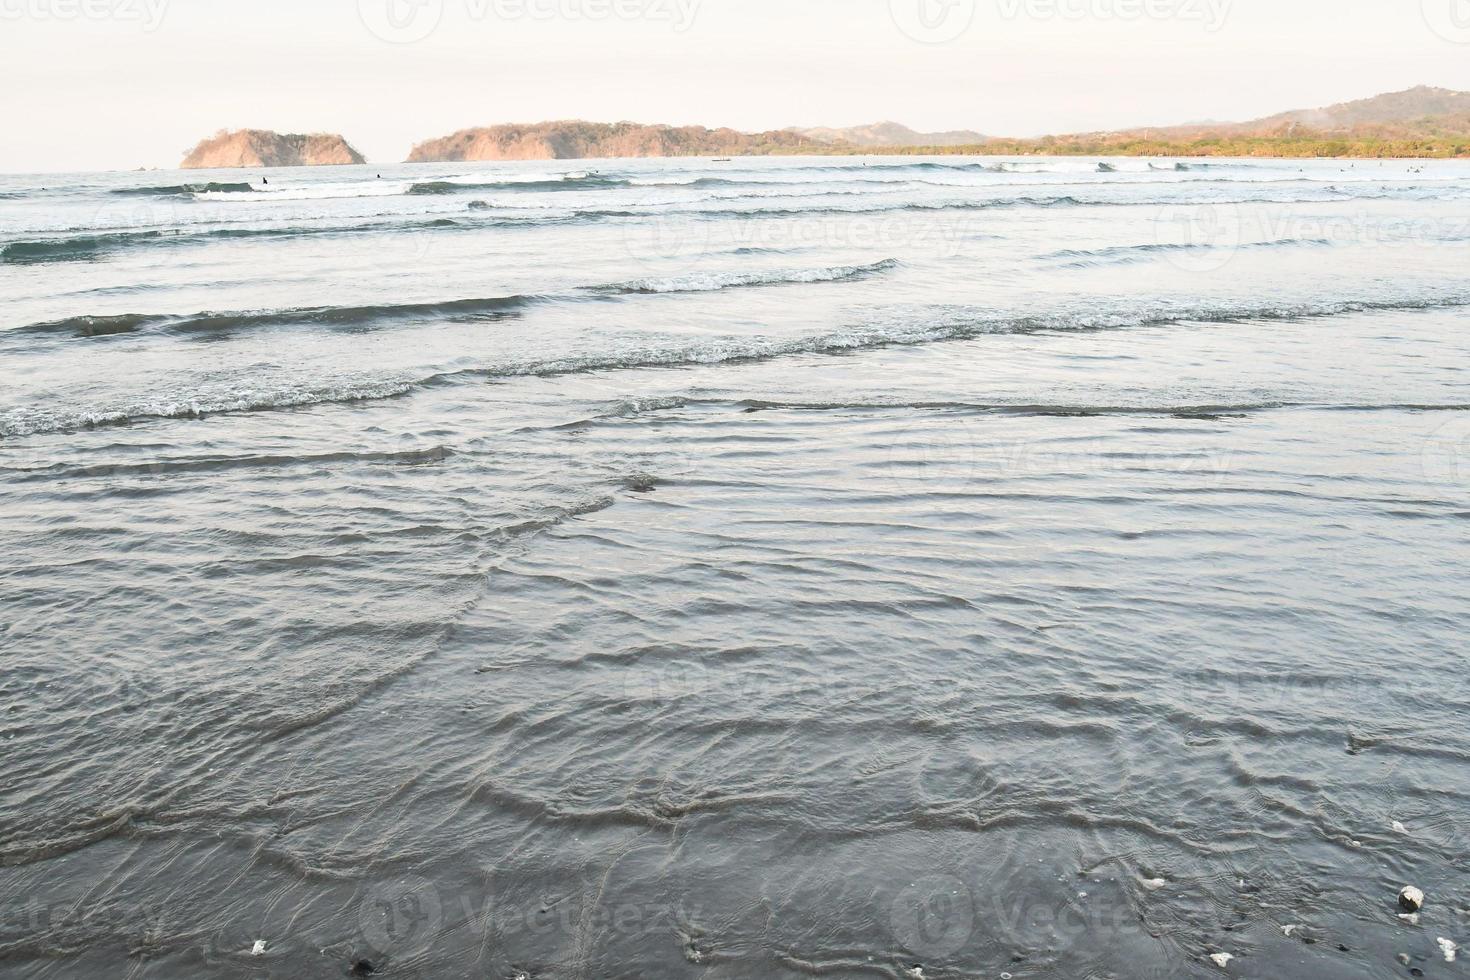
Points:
1154	884
1409	918
1288	930
258	949
1399	828
1451	951
1222	960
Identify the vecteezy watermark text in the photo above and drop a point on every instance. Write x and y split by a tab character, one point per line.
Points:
413	915
1450	19
673	241
410	21
933	21
149	13
1211	13
1207	237
1447	459
942	21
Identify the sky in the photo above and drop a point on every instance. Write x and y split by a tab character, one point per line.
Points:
119	84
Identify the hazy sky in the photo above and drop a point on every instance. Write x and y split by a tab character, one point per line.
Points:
91	84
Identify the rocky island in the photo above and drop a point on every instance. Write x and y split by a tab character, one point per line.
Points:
262	148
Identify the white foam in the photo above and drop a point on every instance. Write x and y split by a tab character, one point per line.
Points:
310	192
712	281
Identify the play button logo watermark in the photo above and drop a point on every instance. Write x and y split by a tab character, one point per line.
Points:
933	21
401	21
1450	19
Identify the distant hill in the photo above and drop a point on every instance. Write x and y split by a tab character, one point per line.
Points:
576	140
893	134
261	148
1413	105
1415	110
1418	122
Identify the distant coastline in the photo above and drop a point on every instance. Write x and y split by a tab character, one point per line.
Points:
1280	148
1418	123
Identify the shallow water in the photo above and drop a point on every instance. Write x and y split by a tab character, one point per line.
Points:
772	568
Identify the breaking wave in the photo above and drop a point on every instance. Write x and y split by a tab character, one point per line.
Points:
459	310
710	282
927	326
338	316
185	190
571	182
82	248
31	422
92	248
897	329
1123	254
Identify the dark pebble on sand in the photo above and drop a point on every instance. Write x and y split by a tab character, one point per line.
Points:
362	968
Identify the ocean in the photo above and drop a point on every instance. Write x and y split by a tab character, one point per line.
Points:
848	567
